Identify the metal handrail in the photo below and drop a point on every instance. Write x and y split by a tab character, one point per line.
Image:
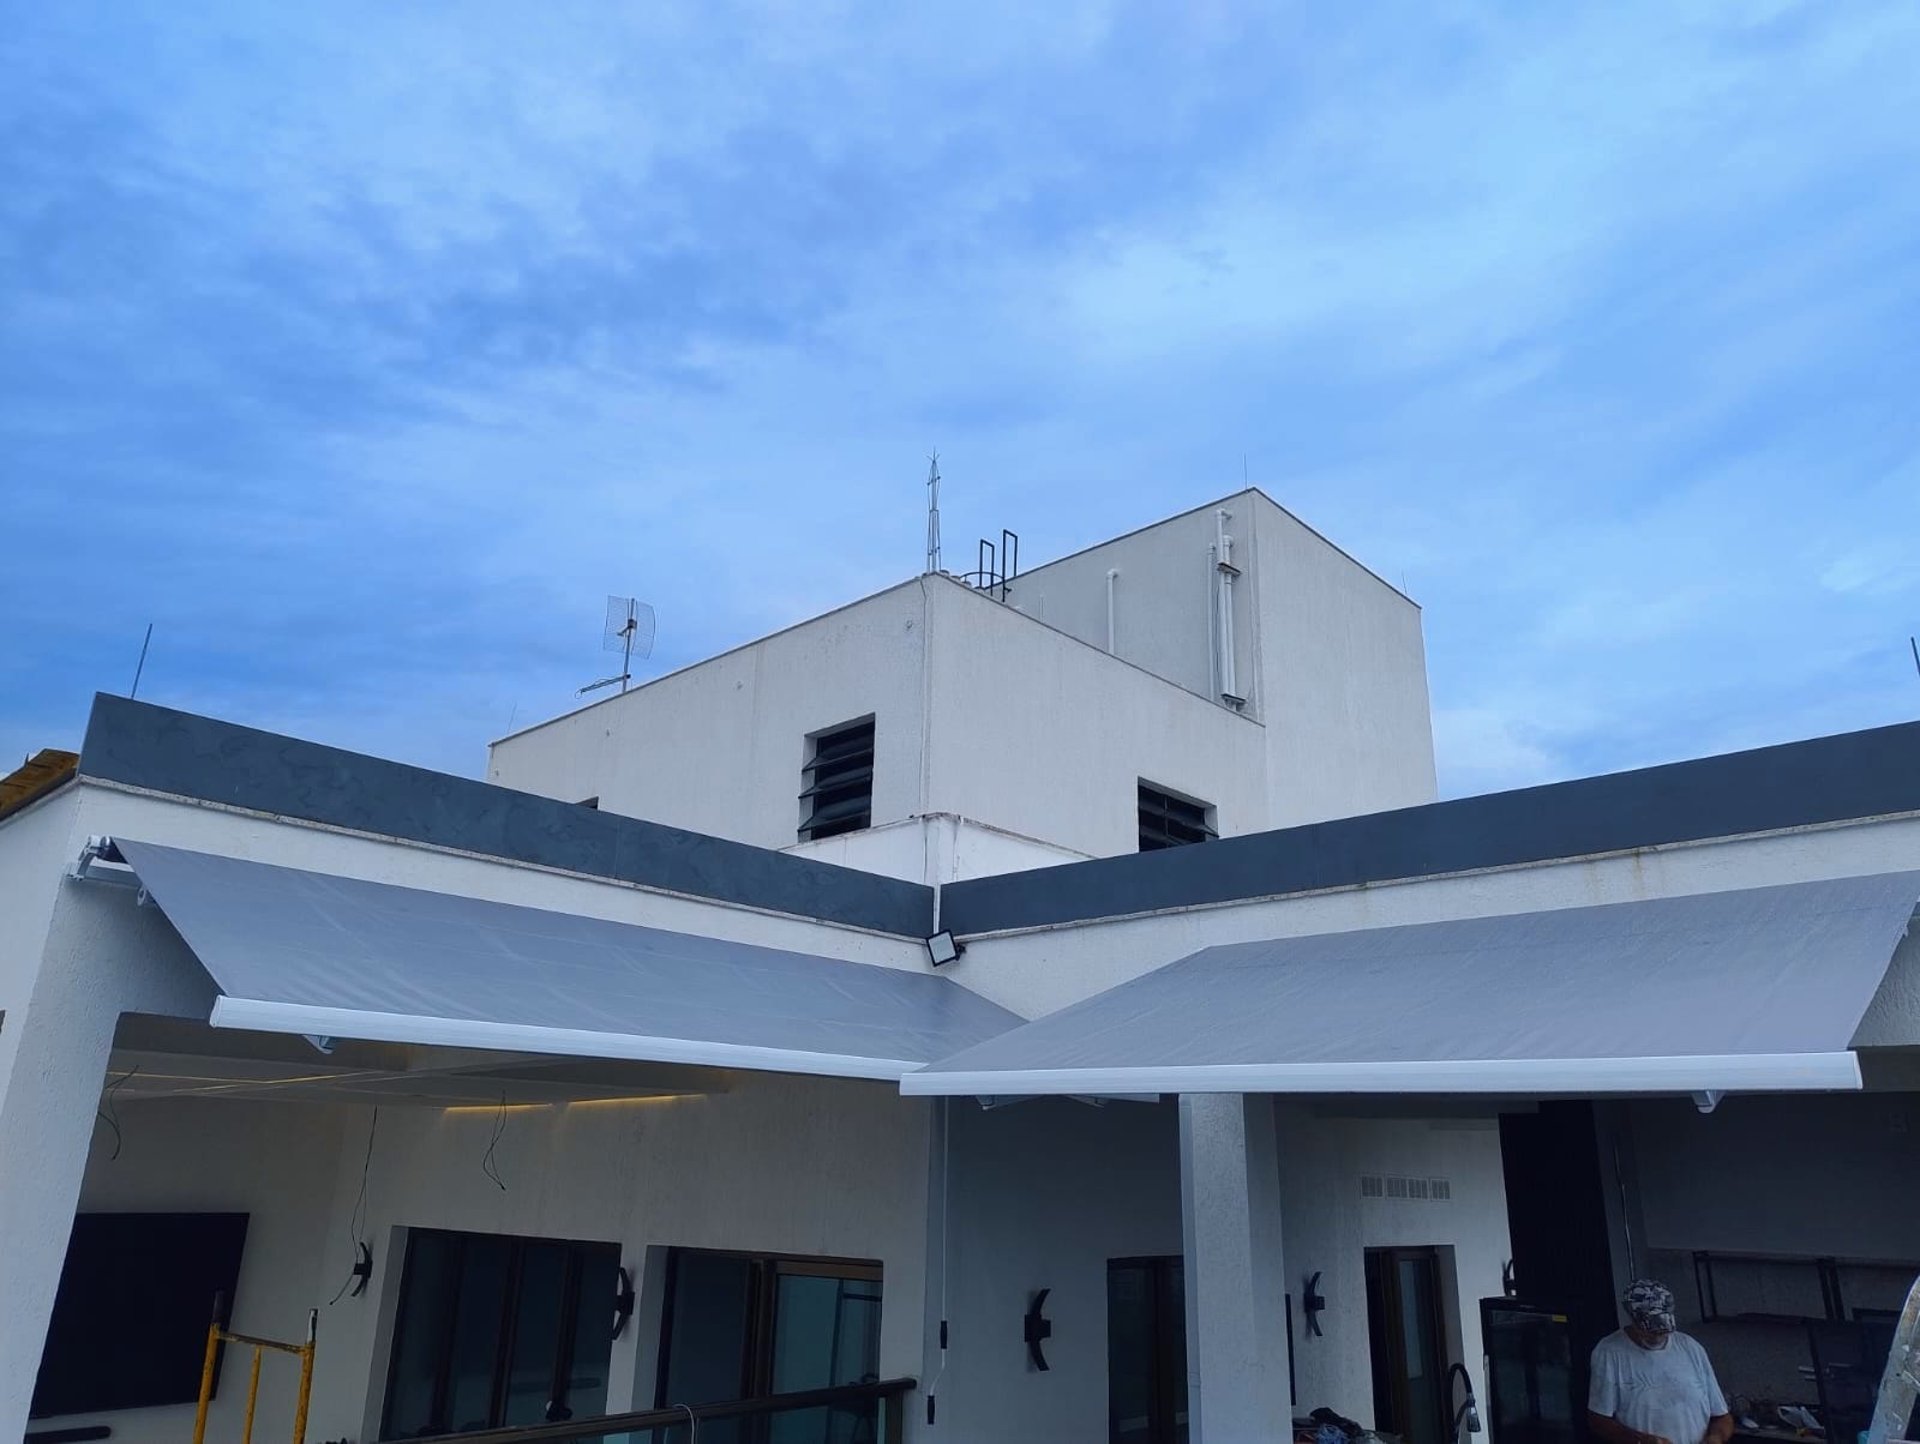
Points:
887	1392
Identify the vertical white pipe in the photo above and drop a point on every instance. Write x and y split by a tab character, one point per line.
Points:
1113	576
1223	596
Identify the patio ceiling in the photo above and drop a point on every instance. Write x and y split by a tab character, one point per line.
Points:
177	1058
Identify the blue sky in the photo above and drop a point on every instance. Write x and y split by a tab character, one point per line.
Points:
365	349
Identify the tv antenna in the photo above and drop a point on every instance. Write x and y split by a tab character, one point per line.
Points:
630	633
933	514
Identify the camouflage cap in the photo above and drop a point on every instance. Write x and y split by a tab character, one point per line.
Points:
1650	1305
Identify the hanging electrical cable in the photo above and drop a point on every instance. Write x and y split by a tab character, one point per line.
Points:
486	1163
361	1273
110	1116
933	1388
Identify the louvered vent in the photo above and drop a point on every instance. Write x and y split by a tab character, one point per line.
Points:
1428	1190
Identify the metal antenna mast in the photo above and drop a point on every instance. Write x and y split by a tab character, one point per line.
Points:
148	642
933	514
630	633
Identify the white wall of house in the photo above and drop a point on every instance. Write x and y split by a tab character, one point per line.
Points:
785	1164
809	1166
32	1218
1016	715
1329	656
1040	734
30	843
75	956
75	960
1036	971
1343	679
1162	597
718	747
1043	1194
1328	1228
278	1164
934	848
980	713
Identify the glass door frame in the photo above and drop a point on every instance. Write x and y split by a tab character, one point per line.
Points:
763	1307
1387	1345
575	1253
1167	1405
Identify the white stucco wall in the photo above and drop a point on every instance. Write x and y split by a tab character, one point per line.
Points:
278	1164
32	842
1329	1227
1329	655
764	1167
936	848
1344	679
807	1166
1040	734
1015	715
980	713
1043	1194
1163	595
1040	1195
786	1164
718	747
1039	970
77	958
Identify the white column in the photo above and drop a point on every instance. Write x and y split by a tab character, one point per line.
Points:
48	1101
1236	1284
98	956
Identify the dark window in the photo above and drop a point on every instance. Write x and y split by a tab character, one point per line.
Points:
1408	1346
1146	1351
495	1331
1167	820
129	1325
836	792
743	1326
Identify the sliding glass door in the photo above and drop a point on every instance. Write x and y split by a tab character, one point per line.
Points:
495	1330
745	1326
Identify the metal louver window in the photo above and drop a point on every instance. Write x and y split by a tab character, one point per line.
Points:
837	782
1170	821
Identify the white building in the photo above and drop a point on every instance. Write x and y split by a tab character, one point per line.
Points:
1025	716
1218	1133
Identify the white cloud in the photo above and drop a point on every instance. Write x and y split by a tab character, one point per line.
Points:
426	329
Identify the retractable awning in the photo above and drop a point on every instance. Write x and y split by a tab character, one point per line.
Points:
308	953
1757	990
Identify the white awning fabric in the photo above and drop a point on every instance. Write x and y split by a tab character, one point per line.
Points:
1758	990
309	953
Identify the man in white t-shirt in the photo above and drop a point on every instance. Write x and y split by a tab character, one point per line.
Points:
1652	1384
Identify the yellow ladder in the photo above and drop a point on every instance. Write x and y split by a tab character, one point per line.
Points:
218	1335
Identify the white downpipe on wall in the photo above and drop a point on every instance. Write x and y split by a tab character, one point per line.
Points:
1224	572
1113	576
